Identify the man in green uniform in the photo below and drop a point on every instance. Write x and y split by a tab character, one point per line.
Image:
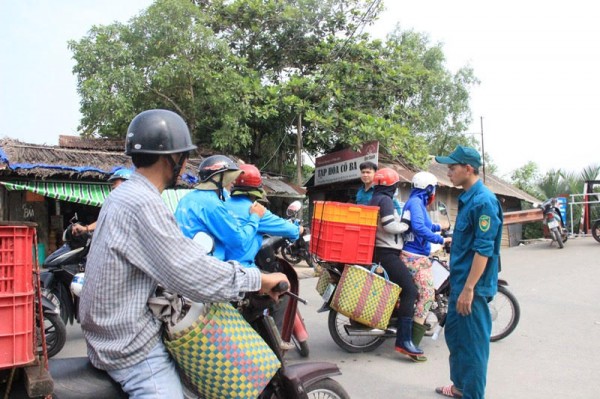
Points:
474	261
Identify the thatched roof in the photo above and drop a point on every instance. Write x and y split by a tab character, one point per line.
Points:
94	160
18	159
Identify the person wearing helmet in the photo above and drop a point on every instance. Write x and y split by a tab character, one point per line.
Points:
417	248
474	262
365	192
203	210
137	247
115	180
388	246
247	189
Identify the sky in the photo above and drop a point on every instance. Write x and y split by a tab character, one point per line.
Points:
538	63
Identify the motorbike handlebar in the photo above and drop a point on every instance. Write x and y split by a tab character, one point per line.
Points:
284	287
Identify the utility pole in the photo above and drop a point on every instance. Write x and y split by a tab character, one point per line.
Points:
299	151
482	150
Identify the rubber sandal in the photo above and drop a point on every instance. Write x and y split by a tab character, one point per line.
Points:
418	358
448	391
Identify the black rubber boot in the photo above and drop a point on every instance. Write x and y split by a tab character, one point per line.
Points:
417	336
404	343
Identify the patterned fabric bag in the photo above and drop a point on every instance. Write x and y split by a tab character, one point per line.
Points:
365	296
221	355
323	282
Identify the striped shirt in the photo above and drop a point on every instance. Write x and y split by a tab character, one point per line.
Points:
137	245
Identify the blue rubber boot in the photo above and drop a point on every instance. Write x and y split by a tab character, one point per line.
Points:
404	343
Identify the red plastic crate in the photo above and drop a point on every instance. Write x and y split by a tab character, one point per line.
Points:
16	330
342	242
16	258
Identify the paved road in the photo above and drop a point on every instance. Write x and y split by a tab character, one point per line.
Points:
554	352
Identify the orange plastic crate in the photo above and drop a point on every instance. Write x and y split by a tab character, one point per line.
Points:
342	212
342	242
16	330
16	258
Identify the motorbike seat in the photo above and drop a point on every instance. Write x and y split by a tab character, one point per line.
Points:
77	378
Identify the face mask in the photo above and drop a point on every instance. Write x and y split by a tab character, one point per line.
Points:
431	199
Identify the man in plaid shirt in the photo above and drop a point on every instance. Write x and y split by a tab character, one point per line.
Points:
136	247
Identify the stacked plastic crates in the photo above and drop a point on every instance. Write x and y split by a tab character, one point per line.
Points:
16	294
343	232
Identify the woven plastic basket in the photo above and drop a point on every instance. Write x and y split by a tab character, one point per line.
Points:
222	356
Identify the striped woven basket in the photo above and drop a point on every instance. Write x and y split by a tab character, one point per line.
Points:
365	296
222	356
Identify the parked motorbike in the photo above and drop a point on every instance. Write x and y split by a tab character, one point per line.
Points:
596	230
59	269
296	251
54	327
77	378
554	221
354	337
267	261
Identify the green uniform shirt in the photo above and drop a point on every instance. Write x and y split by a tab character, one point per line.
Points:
478	229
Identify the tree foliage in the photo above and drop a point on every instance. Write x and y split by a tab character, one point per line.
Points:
245	73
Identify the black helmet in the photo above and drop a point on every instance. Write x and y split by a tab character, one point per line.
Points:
215	164
158	131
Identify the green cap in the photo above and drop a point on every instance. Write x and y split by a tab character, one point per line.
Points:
462	155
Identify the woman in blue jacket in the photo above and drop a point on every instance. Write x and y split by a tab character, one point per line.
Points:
417	247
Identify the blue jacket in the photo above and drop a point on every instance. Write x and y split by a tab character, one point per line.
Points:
202	210
239	205
422	231
478	230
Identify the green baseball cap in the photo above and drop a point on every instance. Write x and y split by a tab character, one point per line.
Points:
462	155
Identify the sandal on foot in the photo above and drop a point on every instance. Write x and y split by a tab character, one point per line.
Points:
418	358
449	391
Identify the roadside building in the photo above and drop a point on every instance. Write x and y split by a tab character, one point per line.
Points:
48	185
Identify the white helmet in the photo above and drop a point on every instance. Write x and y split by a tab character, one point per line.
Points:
423	180
77	284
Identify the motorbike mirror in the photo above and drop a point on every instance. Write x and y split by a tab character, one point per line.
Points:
442	208
293	208
205	241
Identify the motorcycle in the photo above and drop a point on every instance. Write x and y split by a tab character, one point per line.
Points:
596	230
61	267
354	337
77	378
554	222
296	251
267	261
54	327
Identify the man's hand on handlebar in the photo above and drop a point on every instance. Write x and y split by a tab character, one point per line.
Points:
272	283
78	229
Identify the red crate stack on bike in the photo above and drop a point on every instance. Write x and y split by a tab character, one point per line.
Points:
16	294
342	232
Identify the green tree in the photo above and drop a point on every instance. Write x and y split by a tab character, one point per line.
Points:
252	76
526	178
164	58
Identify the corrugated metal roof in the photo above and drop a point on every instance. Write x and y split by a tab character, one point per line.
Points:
276	186
496	184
